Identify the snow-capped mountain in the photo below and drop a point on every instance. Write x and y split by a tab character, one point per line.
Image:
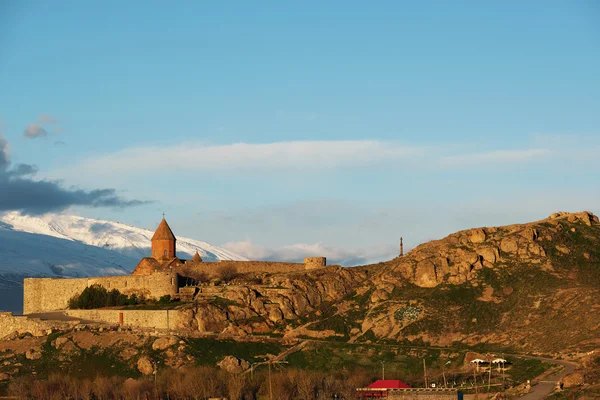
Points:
68	245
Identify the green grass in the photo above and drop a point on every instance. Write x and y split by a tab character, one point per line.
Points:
97	361
525	368
330	357
222	302
336	323
80	363
208	351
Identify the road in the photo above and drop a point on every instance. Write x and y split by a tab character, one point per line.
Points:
544	387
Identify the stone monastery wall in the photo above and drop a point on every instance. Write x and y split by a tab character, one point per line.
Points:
270	267
49	294
10	324
158	319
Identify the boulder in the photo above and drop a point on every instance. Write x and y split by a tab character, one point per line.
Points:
164	343
274	312
4	377
530	234
60	341
33	354
145	366
477	236
379	295
425	275
210	318
509	245
574	379
489	254
563	249
536	249
233	364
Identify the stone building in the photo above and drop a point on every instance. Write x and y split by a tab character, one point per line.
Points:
163	254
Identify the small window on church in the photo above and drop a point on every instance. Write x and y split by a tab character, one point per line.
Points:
165	253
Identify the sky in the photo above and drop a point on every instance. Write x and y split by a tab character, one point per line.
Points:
283	129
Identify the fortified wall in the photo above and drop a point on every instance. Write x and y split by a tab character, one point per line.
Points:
10	324
49	294
157	319
270	267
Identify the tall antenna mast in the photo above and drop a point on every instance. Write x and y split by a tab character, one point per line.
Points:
401	248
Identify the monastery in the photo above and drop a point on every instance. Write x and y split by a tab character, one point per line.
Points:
162	273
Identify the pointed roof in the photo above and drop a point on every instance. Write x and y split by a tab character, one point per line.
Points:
163	232
197	257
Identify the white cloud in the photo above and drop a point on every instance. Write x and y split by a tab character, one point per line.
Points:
497	156
47	119
297	252
34	131
197	157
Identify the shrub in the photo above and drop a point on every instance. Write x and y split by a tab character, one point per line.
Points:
227	273
166	299
96	296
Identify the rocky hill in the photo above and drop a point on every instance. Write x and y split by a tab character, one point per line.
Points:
532	287
527	287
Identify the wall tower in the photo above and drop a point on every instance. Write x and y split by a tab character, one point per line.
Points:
163	242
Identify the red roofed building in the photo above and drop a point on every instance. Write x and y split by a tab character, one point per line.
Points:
380	388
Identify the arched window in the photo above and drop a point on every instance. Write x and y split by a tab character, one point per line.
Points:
165	253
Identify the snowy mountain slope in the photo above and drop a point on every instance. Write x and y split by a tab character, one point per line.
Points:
29	254
126	240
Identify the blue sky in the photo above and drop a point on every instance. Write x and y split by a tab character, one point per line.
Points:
289	128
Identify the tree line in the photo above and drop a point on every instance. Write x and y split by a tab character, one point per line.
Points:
197	383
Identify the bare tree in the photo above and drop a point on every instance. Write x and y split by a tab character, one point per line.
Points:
235	386
305	385
227	273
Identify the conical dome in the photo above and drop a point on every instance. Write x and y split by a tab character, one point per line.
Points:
197	257
163	232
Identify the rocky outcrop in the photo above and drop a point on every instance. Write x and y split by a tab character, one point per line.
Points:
457	258
164	343
145	366
233	364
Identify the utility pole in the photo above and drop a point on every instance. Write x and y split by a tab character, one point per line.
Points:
383	370
425	373
444	373
489	378
270	385
475	383
270	382
503	388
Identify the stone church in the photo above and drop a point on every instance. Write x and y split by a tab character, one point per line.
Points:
163	254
